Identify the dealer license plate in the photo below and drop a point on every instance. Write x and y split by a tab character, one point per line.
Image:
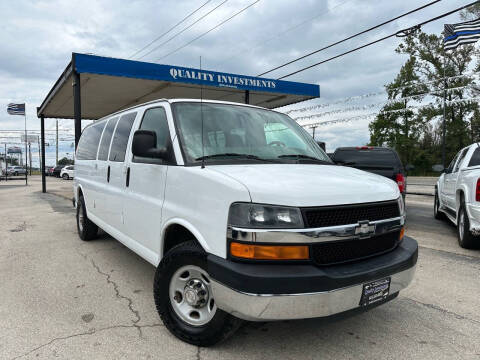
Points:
375	291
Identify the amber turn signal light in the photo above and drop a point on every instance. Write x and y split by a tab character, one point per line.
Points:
268	252
402	232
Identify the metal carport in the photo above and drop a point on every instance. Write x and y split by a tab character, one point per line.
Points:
103	85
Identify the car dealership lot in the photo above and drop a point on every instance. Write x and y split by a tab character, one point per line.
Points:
72	299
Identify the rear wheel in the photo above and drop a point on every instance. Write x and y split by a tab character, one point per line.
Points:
465	238
184	298
87	230
436	208
65	176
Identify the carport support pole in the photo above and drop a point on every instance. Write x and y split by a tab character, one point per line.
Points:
77	111
42	167
247	96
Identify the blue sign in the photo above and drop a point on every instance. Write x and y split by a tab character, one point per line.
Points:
143	70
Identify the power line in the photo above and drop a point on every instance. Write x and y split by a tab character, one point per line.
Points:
206	32
399	33
350	37
183	30
286	31
166	32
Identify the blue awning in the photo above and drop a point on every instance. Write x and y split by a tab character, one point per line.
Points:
111	84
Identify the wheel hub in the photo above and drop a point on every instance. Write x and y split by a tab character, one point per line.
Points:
191	295
196	293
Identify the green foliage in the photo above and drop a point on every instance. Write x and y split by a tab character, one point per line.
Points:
65	161
416	131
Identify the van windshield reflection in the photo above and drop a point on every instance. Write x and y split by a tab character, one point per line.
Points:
234	133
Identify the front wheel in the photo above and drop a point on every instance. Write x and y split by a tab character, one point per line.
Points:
465	238
184	298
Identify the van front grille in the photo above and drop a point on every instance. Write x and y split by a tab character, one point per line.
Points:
328	253
349	214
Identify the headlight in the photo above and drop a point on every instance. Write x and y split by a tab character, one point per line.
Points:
247	215
401	206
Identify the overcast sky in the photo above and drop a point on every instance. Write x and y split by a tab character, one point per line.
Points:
37	39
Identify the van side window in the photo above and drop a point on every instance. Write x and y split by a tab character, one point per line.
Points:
475	159
120	139
88	144
155	119
107	136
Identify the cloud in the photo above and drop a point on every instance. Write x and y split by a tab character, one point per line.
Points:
37	39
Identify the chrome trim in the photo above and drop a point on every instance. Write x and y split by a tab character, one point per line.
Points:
324	234
269	307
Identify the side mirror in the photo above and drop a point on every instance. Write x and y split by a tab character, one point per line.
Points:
438	168
144	144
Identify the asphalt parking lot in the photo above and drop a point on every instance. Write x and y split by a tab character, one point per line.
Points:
68	299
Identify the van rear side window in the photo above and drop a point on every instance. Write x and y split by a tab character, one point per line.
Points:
107	136
88	144
120	139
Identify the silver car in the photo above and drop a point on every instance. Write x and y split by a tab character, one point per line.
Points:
16	170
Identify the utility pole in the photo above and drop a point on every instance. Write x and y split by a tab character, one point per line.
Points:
56	161
30	155
6	163
39	156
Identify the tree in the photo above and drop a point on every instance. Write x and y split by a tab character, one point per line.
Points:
414	128
396	125
65	161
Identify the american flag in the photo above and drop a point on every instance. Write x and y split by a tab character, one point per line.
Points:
16	109
462	33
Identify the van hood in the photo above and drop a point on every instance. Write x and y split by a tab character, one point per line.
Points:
309	184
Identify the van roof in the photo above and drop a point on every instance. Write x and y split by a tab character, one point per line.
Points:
172	101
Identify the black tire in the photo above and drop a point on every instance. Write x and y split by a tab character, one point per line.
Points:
87	230
465	238
219	328
65	177
436	204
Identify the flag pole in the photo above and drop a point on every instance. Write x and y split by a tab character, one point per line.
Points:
444	101
26	152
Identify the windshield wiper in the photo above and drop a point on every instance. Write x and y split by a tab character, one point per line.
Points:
246	156
307	157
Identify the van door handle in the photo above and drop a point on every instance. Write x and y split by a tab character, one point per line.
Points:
108	173
127	181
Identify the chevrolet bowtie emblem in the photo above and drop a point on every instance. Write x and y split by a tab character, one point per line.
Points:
364	228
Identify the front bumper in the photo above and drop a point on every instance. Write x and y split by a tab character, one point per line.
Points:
261	292
473	211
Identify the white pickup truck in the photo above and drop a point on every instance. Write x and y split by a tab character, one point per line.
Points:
457	195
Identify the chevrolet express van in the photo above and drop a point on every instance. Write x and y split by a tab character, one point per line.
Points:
243	215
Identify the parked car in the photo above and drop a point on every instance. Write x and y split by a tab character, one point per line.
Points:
16	170
457	195
67	172
57	169
239	208
378	160
48	170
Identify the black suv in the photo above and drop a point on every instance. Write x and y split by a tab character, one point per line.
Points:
57	169
378	160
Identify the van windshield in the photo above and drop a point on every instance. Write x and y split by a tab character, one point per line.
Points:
234	133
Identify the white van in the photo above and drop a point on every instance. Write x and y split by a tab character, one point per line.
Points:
242	213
